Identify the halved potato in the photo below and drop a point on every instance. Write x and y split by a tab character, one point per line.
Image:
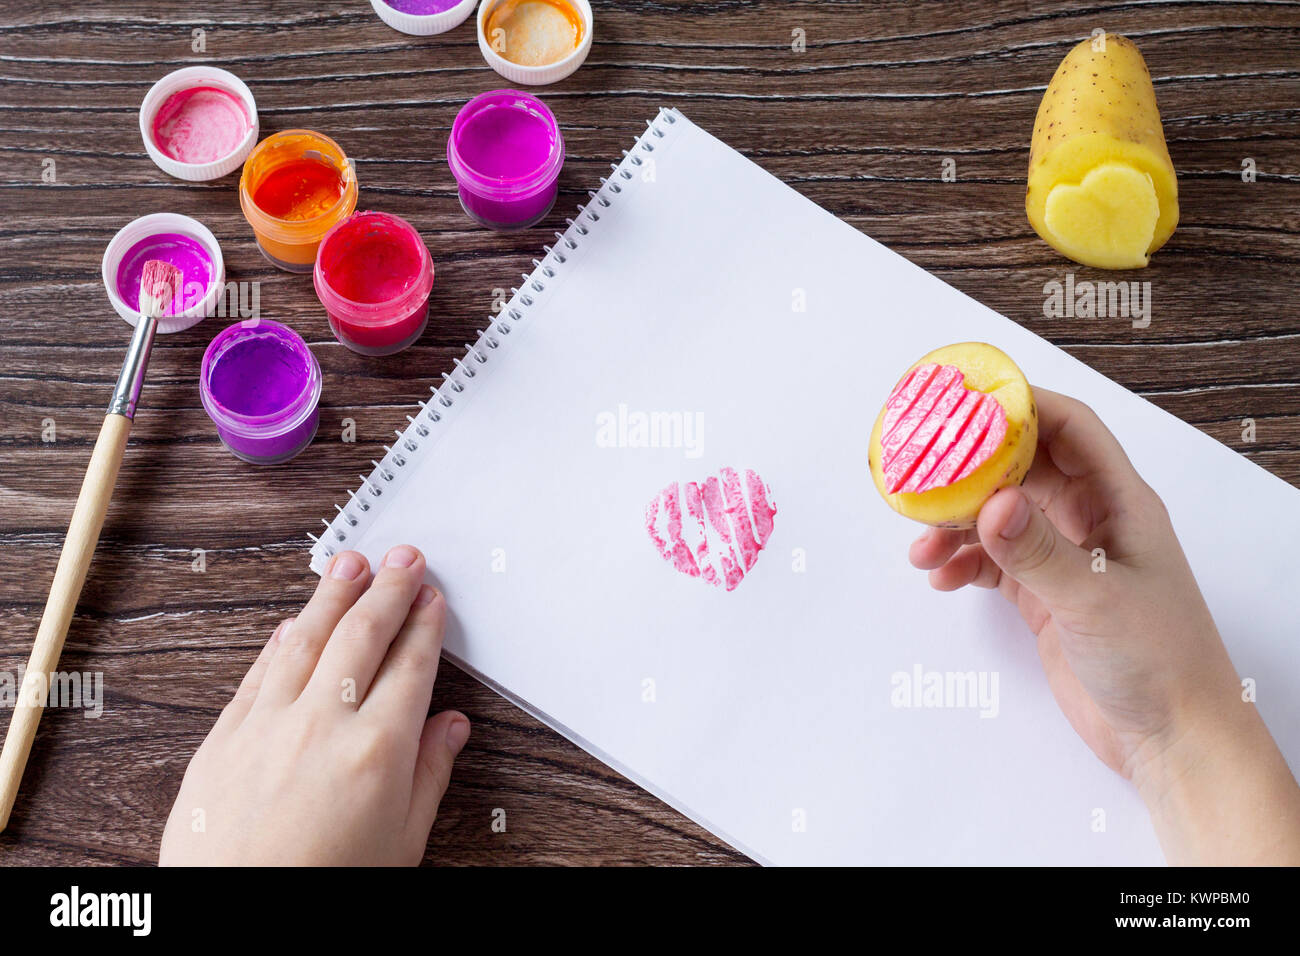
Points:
1102	188
958	426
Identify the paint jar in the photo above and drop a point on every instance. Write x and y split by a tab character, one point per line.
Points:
198	123
535	42
423	17
260	385
506	151
374	275
185	243
295	187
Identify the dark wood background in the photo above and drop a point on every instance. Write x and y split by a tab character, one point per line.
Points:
861	123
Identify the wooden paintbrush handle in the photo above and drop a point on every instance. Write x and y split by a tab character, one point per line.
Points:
69	576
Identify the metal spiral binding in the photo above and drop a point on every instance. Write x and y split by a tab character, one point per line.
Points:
387	471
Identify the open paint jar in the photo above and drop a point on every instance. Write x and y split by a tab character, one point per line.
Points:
374	275
534	42
260	385
185	243
198	123
296	186
506	151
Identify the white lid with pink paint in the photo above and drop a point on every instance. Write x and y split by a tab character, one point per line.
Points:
180	241
199	123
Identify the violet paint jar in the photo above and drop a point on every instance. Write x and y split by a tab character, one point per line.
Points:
506	152
260	385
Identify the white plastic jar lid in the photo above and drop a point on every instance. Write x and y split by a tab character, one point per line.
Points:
160	223
190	78
536	75
441	16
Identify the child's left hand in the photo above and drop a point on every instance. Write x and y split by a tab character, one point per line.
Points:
327	755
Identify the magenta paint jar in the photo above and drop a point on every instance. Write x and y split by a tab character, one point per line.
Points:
260	385
506	151
373	275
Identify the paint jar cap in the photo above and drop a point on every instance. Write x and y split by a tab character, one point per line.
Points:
192	77
536	75
156	224
424	24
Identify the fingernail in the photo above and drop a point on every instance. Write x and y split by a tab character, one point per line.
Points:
281	629
425	597
347	566
457	734
402	556
1019	519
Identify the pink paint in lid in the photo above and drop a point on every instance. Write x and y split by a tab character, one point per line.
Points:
184	242
199	123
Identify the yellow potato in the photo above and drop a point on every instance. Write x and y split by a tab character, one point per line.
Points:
956	504
1102	189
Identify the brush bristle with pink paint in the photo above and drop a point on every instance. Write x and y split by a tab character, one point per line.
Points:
160	287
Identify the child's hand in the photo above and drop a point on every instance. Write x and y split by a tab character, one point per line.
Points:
1122	647
1132	653
326	754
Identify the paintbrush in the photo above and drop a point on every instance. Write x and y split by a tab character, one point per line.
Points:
159	288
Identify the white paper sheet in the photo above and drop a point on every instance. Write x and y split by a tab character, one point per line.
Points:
771	720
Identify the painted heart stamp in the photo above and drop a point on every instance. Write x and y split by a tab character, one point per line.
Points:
713	529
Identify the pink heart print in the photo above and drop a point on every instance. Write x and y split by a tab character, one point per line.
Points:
713	529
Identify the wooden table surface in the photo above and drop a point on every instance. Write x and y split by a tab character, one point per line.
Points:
861	122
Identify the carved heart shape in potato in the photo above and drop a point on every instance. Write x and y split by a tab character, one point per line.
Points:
959	425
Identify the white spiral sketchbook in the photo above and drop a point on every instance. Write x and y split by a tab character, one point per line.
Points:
644	491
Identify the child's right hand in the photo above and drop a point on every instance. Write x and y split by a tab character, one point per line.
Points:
1086	551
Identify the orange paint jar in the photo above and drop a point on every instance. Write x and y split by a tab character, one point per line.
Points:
296	186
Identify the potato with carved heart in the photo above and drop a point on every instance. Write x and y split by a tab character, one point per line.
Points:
959	425
1102	188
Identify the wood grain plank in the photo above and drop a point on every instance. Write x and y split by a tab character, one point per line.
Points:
860	123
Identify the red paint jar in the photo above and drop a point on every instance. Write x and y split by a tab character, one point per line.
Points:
373	275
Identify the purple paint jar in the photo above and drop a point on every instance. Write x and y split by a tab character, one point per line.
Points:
506	151
260	385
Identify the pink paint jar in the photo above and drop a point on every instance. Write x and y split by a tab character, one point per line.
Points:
374	275
506	152
260	385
